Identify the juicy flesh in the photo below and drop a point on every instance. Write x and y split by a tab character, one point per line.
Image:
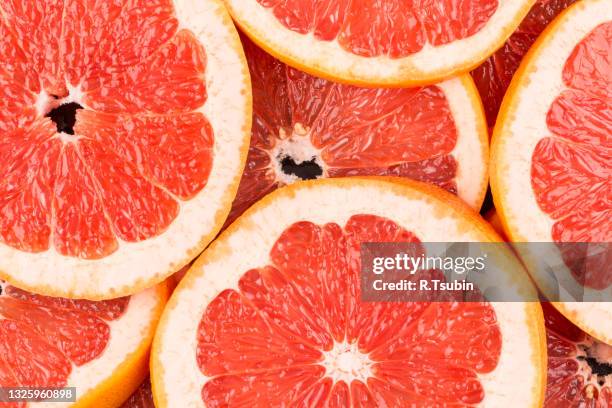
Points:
80	181
43	338
571	171
494	75
578	374
334	130
393	28
295	333
141	398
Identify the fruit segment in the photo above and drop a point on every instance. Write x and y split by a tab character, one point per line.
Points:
37	28
169	81
28	184
127	32
134	83
171	151
296	331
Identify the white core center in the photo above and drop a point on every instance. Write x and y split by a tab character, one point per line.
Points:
298	146
45	103
345	362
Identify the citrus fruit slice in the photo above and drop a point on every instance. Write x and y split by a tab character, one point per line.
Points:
271	313
99	348
493	76
125	129
386	43
305	127
579	367
552	152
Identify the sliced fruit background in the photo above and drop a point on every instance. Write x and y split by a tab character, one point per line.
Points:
388	43
306	127
123	123
100	348
493	76
266	319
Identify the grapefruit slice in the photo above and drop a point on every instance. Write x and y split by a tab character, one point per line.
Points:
305	127
552	152
385	43
125	129
579	367
100	348
270	314
493	76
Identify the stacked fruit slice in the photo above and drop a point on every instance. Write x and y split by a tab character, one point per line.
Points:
122	142
99	348
280	322
552	153
372	42
306	127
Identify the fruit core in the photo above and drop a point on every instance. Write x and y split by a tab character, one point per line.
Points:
294	157
61	108
595	360
344	362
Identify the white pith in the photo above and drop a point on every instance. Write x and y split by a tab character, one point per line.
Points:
603	354
431	63
298	146
517	138
126	335
153	259
344	362
470	151
177	378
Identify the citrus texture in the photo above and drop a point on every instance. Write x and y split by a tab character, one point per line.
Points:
551	163
493	76
280	322
579	367
306	127
93	346
109	114
398	42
